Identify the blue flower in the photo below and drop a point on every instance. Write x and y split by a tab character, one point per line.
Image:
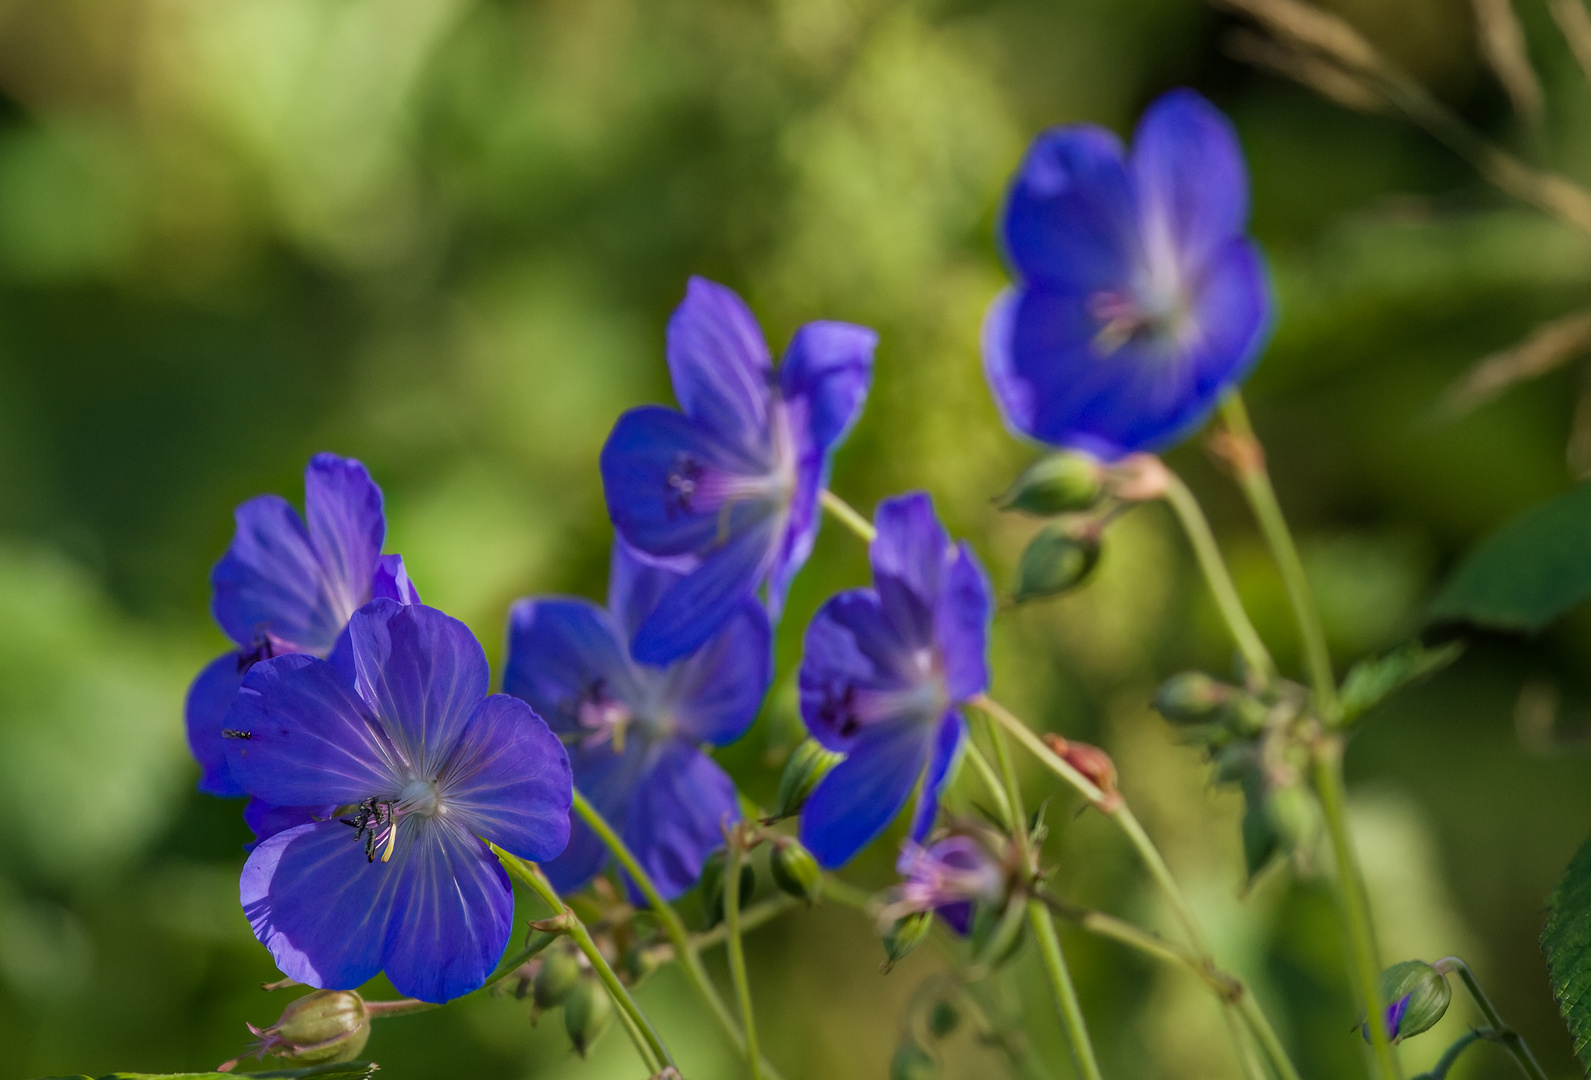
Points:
734	478
635	730
403	737
950	878
883	676
283	587
1140	299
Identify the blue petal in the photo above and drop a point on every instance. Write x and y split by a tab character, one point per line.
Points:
700	603
637	581
509	780
209	699
605	778
1189	177
391	581
650	458
559	652
850	645
1070	222
343	508
269	581
305	737
676	816
909	555
714	694
803	515
957	916
318	906
720	364
422	672
829	366
452	917
863	793
961	626
947	743
265	819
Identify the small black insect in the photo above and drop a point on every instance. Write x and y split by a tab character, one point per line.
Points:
233	733
366	822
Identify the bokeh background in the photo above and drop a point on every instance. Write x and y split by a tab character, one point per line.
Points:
444	236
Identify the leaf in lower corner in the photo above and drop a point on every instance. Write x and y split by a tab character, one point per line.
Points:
1533	569
1370	681
1567	943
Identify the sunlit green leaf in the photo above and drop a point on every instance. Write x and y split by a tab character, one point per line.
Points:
1567	943
1370	681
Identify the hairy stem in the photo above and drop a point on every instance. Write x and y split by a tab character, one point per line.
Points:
737	950
1500	1033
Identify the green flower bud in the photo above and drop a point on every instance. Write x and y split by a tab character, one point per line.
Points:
560	970
943	1019
318	1028
1056	484
905	935
796	872
912	1062
809	763
1416	996
1055	561
1295	818
1194	698
712	886
587	1011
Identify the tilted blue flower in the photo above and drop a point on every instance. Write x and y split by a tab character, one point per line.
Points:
734	478
634	730
950	878
287	587
1140	300
401	736
883	677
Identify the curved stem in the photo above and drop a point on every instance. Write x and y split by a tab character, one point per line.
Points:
1501	1033
686	949
1450	1056
992	783
848	516
647	1042
1219	578
737	950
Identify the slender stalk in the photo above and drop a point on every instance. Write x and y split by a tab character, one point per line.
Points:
1450	1056
1219	578
1501	1033
513	963
737	950
1067	1006
647	1042
992	783
686	950
401	1007
848	516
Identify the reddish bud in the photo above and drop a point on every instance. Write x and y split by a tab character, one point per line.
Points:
1095	765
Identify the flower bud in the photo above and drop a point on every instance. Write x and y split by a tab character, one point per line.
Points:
904	935
587	1011
943	1018
1056	484
912	1062
319	1028
1193	698
1416	996
1055	561
809	763
796	872
1095	765
712	885
560	970
1294	817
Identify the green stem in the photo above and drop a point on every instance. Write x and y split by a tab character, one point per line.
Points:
647	1042
992	783
686	950
1067	1006
737	950
1450	1056
1501	1033
401	1007
848	516
529	952
1219	578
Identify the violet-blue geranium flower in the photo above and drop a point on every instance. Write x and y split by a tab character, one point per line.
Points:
884	675
285	586
950	878
1139	299
634	731
400	734
734	477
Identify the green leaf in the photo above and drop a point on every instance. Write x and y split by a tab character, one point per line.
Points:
1370	681
342	1070
1567	943
1533	569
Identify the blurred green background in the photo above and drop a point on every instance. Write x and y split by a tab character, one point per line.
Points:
444	236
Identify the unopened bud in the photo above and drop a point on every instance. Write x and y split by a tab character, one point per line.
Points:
587	1011
809	763
1416	996
904	935
712	885
1095	765
1295	818
912	1062
1055	560
796	872
1056	484
1193	698
943	1019
320	1028
560	970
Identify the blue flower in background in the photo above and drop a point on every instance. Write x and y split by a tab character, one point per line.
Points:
884	673
284	587
734	478
402	735
1140	300
634	730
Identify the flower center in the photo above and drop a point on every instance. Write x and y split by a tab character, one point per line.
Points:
604	716
1126	315
420	797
